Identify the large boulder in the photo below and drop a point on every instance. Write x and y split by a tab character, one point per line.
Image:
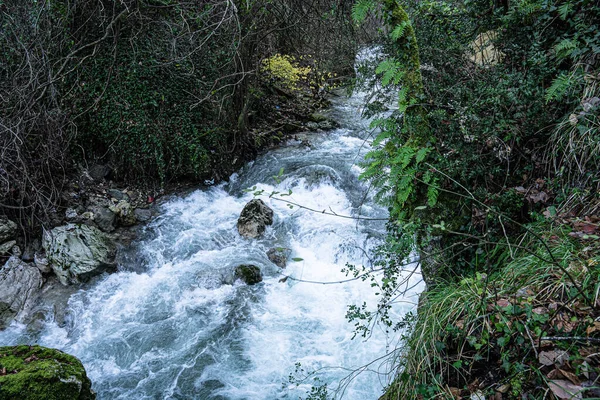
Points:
78	252
34	372
250	274
20	285
254	219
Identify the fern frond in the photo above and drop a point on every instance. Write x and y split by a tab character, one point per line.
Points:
398	31
360	9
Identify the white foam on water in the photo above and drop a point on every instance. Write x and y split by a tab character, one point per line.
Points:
180	329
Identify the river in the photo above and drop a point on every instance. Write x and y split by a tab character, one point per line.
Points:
170	325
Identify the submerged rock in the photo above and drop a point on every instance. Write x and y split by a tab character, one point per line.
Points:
248	273
279	256
35	372
20	285
78	252
254	219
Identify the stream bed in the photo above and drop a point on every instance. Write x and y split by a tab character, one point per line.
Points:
170	325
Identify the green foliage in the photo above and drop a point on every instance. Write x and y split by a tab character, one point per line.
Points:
360	10
466	164
144	122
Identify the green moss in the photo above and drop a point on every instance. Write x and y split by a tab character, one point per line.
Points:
249	274
34	372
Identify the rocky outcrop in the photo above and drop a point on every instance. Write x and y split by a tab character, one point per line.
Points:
78	252
20	285
250	274
254	219
34	372
279	256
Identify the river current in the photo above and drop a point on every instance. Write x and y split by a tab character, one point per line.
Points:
170	325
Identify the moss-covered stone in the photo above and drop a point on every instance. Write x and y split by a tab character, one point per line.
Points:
35	372
249	274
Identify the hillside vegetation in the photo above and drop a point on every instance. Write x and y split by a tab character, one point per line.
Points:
153	91
491	163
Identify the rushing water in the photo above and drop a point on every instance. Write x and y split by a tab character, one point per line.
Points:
169	325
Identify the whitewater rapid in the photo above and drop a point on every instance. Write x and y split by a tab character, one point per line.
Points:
170	325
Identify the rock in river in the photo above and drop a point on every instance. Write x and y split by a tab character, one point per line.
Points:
254	219
249	274
35	372
78	252
279	256
20	285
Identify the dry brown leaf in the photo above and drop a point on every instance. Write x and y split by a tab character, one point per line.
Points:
540	310
593	328
570	376
455	392
503	303
565	390
548	358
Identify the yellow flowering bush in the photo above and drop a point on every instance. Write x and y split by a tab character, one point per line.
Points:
286	71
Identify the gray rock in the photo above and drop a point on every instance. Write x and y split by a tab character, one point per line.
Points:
30	249
313	126
318	117
76	253
124	212
142	214
327	125
6	248
279	256
98	172
41	262
117	194
8	229
104	218
70	214
20	285
254	219
250	274
16	251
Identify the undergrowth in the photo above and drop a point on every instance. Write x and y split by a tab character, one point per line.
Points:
522	332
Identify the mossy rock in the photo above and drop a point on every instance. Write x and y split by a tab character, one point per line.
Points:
249	274
318	117
34	372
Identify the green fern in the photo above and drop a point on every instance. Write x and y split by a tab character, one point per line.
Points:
398	31
360	9
564	10
391	70
565	48
563	84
